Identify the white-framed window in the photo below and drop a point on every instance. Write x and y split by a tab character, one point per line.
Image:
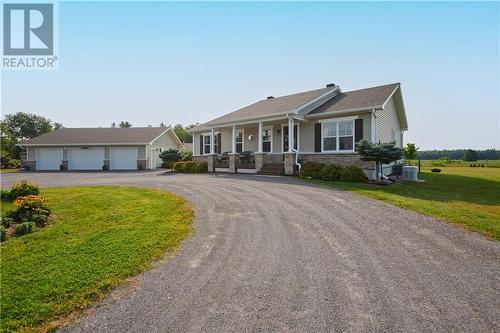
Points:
337	136
267	140
206	142
240	146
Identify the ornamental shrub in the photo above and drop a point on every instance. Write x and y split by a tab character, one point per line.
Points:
330	172
24	228
352	173
30	208
311	170
22	189
200	167
167	165
178	166
191	167
3	234
5	194
7	220
186	155
187	167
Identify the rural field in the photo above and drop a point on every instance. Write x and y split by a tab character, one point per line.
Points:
462	195
98	237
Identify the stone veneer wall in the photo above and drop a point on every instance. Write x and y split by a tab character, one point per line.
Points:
29	165
199	158
142	164
272	158
339	159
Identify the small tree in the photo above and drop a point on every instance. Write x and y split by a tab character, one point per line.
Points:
410	152
171	156
470	155
380	153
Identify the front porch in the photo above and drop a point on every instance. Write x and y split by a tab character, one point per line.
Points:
250	162
263	147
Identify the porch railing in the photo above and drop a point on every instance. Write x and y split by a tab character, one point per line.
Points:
222	161
246	160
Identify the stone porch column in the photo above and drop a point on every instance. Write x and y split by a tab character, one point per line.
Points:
289	163
232	162
211	163
259	161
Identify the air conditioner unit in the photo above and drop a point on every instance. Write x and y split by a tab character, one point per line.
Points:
410	173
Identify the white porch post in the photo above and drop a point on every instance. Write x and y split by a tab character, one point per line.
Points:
212	142
290	134
260	137
233	145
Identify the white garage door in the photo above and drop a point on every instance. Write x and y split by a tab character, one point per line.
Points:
85	159
48	158
123	159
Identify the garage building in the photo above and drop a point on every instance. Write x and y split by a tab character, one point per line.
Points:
132	148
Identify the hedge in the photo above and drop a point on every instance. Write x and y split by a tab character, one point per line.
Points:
191	167
332	172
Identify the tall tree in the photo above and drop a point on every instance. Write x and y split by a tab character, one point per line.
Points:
410	152
27	125
22	126
125	124
182	133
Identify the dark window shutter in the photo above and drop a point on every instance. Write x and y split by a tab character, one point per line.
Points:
219	145
201	145
358	130
317	137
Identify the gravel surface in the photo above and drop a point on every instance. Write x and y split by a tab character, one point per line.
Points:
276	254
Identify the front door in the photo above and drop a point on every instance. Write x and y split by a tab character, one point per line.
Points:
285	138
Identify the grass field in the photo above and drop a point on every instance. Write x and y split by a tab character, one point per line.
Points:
9	170
458	163
99	237
469	197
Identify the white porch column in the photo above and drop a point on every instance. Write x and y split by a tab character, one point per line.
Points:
290	134
260	138
233	143
212	142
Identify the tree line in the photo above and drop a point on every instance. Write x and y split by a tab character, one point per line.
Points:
460	154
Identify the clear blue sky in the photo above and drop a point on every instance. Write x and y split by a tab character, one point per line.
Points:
190	62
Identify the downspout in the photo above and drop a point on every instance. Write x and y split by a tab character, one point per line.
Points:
290	143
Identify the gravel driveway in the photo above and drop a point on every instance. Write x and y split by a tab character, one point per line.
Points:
276	254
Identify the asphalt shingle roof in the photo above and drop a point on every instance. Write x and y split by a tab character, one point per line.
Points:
270	106
357	99
130	135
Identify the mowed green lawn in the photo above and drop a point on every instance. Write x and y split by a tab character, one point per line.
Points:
99	237
469	197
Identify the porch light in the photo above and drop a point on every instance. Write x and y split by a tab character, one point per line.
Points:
250	137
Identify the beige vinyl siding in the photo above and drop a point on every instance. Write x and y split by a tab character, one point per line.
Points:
367	125
387	120
30	154
226	139
306	137
251	145
168	141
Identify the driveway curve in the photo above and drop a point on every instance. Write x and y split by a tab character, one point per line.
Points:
276	254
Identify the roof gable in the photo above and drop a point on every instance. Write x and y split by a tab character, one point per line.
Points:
368	98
